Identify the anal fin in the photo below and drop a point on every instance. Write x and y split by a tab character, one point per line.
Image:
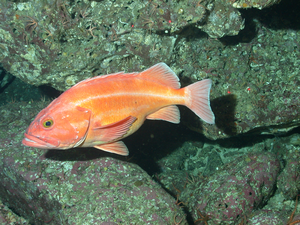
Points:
115	147
169	113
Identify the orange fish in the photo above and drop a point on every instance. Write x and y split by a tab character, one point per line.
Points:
100	111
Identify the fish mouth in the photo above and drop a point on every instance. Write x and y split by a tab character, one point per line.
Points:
39	142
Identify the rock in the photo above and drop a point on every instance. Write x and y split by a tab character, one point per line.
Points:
255	83
75	186
289	179
223	21
60	44
234	191
266	217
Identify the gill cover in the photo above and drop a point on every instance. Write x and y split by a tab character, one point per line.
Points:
80	121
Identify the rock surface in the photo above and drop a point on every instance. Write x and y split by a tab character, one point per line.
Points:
61	43
255	83
77	186
210	180
235	190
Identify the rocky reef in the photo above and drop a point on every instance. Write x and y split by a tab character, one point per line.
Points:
60	43
242	170
192	181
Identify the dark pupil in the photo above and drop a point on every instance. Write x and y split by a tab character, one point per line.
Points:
48	123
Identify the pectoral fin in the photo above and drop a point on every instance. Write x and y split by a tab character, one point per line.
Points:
169	113
115	130
115	147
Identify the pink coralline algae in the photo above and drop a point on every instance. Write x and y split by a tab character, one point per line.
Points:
289	180
238	188
266	217
99	191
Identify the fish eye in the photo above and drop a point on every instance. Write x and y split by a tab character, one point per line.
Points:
48	123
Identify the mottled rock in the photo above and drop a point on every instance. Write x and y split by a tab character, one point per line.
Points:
235	190
80	186
255	84
255	77
266	217
60	43
224	20
289	179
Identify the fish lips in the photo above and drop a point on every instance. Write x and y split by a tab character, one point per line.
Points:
40	142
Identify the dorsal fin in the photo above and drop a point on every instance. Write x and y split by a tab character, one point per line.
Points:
161	73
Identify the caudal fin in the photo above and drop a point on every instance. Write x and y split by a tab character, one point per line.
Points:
197	99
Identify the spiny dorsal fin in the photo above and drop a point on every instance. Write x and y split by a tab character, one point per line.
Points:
161	73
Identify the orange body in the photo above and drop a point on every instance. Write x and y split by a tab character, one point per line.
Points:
100	111
121	97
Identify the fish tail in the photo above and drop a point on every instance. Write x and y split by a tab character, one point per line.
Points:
197	99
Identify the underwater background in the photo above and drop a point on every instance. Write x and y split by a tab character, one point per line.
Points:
245	169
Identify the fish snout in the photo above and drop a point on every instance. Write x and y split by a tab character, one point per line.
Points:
39	142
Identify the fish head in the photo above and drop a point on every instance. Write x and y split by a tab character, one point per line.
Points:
58	126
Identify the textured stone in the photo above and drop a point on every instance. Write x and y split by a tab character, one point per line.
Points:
60	43
289	179
235	190
79	186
